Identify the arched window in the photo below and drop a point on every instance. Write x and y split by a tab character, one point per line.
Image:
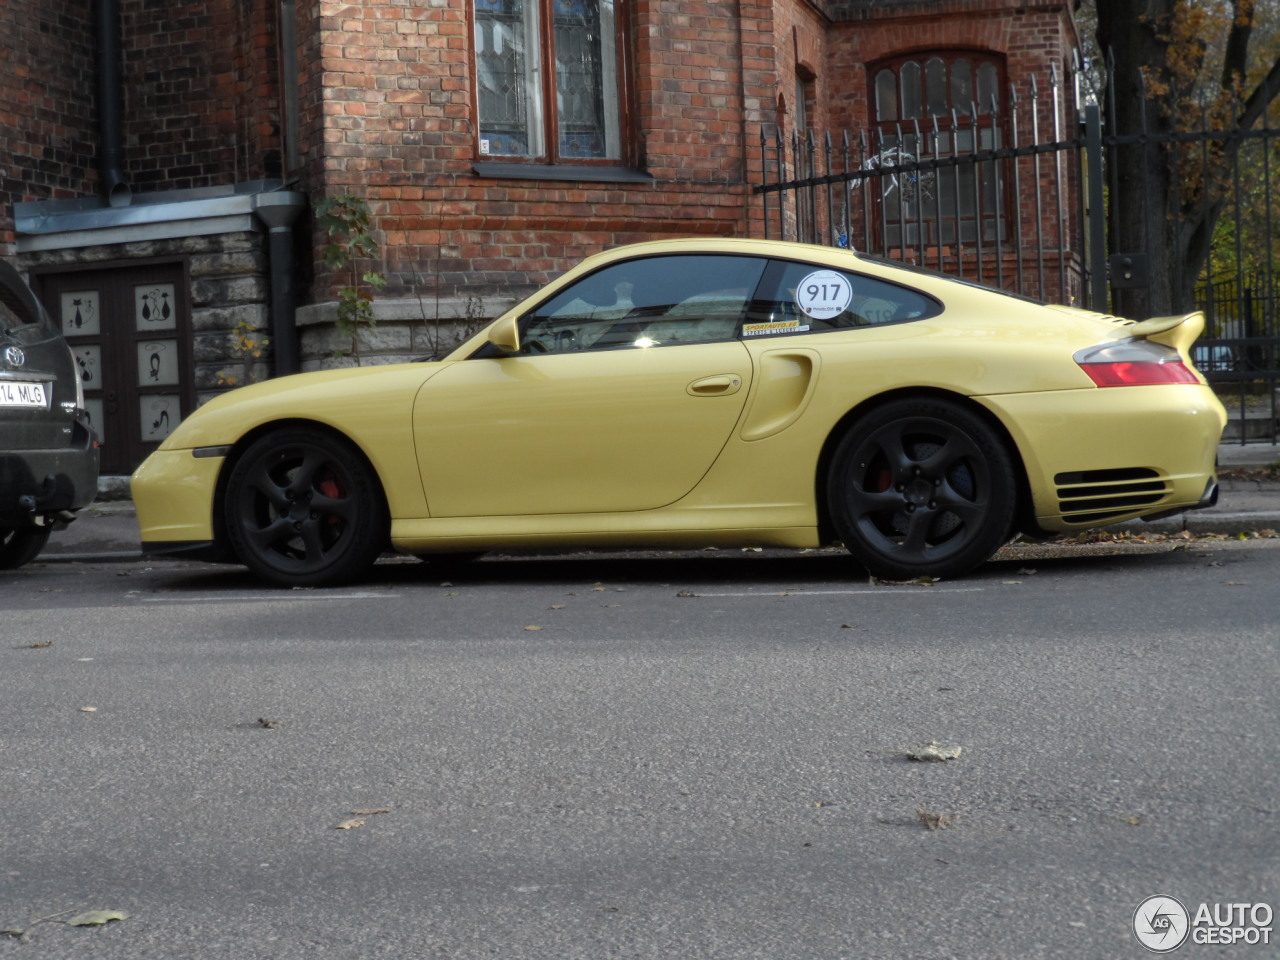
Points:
943	104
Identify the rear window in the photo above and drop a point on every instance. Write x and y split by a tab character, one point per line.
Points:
807	298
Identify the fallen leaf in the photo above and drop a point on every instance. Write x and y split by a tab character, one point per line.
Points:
556	606
1132	821
37	646
934	752
934	821
915	582
532	627
350	824
96	918
88	709
685	593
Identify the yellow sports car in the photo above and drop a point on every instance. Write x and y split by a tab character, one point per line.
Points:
693	393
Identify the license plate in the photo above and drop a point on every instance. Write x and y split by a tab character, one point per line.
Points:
17	394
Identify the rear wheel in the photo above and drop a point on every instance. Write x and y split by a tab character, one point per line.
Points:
304	508
921	487
21	546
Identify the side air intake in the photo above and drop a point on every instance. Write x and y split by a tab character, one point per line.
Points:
1097	496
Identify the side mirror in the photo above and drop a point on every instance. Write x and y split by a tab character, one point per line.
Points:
505	334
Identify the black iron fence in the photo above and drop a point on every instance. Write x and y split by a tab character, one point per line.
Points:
1019	200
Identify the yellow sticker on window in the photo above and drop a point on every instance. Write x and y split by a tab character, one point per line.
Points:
778	326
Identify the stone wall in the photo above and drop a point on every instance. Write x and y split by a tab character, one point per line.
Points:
229	289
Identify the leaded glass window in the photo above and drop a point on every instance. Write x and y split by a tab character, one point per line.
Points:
573	112
943	105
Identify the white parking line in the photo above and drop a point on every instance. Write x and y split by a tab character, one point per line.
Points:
272	597
894	591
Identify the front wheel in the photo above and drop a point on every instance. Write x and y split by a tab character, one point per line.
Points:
921	488
303	508
21	546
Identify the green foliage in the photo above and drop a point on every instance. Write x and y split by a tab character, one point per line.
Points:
347	222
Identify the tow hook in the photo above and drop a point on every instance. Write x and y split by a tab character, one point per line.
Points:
29	503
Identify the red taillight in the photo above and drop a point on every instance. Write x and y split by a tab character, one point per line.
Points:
1138	374
1134	363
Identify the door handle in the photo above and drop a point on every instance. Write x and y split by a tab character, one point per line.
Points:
721	385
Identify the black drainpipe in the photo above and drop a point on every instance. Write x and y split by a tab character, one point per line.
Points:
278	210
110	104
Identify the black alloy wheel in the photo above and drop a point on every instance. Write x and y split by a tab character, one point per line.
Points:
305	509
21	546
922	488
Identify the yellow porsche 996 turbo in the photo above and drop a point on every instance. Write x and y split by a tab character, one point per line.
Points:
693	393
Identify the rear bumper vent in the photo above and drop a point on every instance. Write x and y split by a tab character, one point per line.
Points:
1097	496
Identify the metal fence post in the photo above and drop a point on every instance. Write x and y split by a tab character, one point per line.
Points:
1097	210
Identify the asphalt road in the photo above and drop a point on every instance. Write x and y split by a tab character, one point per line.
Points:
673	758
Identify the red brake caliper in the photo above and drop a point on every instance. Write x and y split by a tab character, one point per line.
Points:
329	487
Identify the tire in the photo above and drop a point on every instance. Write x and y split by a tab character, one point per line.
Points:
22	546
303	508
921	488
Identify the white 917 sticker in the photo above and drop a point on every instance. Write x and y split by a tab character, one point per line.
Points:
824	294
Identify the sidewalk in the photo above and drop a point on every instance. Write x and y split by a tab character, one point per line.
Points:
108	530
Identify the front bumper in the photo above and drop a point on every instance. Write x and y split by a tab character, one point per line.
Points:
173	493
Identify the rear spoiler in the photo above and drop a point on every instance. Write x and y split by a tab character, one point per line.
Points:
1177	332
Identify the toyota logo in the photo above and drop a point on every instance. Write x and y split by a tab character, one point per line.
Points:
14	356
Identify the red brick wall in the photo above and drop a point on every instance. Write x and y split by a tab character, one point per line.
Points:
389	107
200	99
386	102
200	104
46	105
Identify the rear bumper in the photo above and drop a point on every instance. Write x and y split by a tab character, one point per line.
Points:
41	483
1107	455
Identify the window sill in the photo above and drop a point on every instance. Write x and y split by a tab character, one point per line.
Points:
545	171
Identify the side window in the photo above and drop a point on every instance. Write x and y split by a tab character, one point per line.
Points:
651	302
808	298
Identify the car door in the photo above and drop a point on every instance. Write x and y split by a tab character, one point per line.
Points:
626	387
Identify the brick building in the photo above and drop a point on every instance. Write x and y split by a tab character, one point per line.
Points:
164	160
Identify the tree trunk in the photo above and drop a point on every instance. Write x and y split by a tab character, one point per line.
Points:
1144	193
